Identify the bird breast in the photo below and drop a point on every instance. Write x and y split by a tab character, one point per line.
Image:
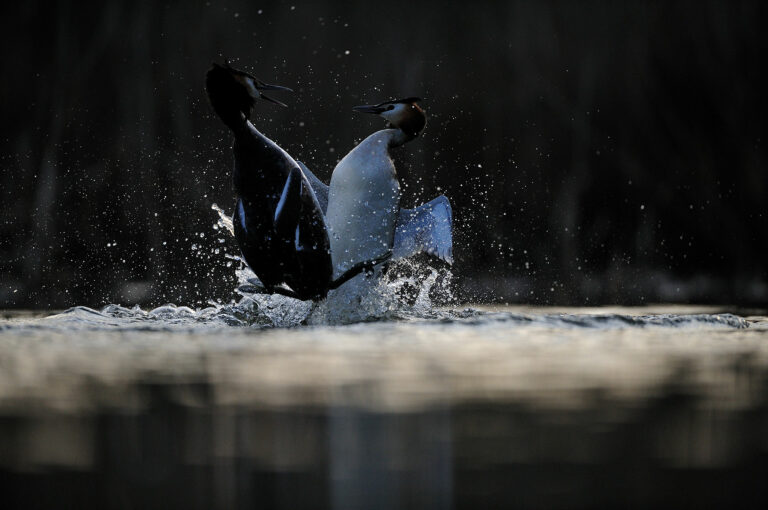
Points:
363	203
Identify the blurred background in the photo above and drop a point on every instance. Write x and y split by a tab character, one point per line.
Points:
594	152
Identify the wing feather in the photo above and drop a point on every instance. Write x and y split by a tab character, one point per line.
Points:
320	188
425	229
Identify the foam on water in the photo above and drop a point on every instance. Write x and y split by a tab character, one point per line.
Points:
393	296
274	311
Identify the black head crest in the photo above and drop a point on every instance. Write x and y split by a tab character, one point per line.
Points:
234	92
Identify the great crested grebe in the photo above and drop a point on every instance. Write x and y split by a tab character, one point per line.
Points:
278	222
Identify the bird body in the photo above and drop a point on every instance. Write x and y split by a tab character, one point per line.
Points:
364	215
363	201
278	222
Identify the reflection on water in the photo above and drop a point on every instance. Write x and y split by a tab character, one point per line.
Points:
521	408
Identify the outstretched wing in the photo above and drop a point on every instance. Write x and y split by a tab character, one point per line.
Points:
320	189
425	229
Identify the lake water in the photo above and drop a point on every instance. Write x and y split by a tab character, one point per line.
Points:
273	403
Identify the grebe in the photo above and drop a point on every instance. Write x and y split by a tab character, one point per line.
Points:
364	217
278	222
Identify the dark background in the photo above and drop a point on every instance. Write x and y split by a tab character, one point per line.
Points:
594	152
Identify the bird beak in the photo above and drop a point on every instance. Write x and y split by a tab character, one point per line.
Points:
370	109
267	86
272	100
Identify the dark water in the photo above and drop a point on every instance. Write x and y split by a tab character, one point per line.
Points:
437	408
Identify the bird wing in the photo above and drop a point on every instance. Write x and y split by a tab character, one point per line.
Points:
320	189
288	210
425	229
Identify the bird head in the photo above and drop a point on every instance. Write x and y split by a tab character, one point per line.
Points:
404	114
233	92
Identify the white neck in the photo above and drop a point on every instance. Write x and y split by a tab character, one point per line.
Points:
397	137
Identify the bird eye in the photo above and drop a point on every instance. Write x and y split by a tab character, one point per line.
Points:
390	107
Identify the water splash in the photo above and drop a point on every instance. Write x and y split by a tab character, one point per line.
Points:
224	220
275	311
405	289
408	290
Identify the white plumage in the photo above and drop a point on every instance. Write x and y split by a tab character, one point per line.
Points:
363	202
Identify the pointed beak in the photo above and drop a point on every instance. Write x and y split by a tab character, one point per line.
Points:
272	100
369	109
267	86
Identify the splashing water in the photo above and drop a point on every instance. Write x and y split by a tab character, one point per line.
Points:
409	290
406	289
224	221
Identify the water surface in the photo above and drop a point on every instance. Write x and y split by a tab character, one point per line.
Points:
271	402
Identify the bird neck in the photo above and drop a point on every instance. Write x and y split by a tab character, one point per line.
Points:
234	119
398	137
257	158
